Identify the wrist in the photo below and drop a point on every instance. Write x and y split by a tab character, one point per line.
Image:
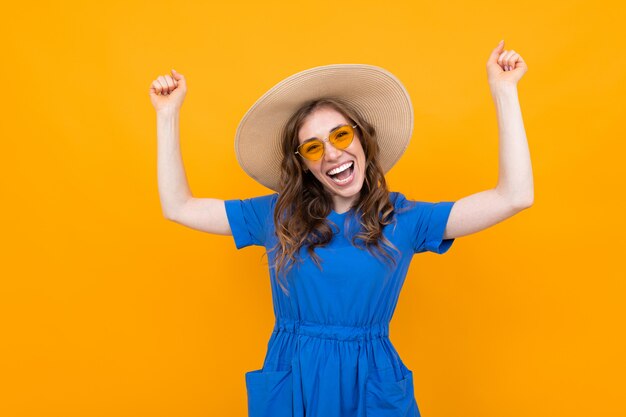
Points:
503	89
168	113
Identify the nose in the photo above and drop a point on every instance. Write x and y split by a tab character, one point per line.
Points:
330	152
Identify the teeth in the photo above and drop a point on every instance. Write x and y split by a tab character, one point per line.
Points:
340	168
342	181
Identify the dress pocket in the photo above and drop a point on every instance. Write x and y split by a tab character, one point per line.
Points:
270	393
386	396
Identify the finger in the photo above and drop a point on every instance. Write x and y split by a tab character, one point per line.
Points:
176	76
170	82
509	58
503	61
156	86
513	60
496	51
163	82
500	57
505	58
159	86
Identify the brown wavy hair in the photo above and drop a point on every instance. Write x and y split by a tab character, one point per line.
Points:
303	204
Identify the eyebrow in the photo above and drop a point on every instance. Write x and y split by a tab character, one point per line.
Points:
330	131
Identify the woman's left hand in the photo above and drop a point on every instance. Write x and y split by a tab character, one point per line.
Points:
504	68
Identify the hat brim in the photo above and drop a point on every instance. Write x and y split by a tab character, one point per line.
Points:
377	95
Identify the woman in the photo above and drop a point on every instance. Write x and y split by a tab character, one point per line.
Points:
339	243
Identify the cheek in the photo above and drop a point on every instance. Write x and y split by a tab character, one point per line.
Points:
359	151
313	169
361	155
306	167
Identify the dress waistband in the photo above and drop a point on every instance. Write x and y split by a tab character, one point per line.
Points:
327	331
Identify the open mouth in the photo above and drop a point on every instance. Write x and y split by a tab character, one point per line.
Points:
345	173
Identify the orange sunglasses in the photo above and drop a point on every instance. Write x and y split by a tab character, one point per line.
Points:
340	138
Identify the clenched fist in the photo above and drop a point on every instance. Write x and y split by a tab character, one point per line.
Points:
168	92
504	67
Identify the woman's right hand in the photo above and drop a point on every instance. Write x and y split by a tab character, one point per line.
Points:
168	92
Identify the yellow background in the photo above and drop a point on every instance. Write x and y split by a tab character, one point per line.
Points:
108	309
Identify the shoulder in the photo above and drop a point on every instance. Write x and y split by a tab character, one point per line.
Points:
250	219
396	198
263	201
268	200
409	209
400	202
259	207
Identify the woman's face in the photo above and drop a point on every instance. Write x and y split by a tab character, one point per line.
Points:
319	124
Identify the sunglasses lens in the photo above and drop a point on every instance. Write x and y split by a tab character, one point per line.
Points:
342	137
312	150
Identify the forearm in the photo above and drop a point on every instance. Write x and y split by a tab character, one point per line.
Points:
515	176
172	182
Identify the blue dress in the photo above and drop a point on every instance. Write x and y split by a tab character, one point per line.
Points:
329	354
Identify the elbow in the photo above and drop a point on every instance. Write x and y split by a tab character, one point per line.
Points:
525	202
171	212
518	200
168	215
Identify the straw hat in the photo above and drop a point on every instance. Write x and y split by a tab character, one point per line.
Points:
376	94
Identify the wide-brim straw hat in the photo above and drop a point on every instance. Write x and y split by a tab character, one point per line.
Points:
376	94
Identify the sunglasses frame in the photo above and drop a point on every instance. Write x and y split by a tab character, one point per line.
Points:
326	139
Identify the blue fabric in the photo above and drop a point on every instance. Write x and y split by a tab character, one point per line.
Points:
329	354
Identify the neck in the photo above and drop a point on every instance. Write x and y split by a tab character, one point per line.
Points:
342	204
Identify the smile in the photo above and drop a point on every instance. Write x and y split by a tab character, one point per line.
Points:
342	175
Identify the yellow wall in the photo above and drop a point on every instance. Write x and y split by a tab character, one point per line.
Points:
108	309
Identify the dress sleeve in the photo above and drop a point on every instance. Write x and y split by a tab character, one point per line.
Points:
251	219
432	220
426	223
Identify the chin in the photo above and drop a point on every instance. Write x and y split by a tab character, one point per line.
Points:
353	191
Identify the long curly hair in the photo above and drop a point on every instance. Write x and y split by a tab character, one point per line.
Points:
303	204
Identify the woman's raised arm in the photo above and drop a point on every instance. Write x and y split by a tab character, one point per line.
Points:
514	191
205	214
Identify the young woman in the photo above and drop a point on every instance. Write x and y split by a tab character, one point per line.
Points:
339	243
